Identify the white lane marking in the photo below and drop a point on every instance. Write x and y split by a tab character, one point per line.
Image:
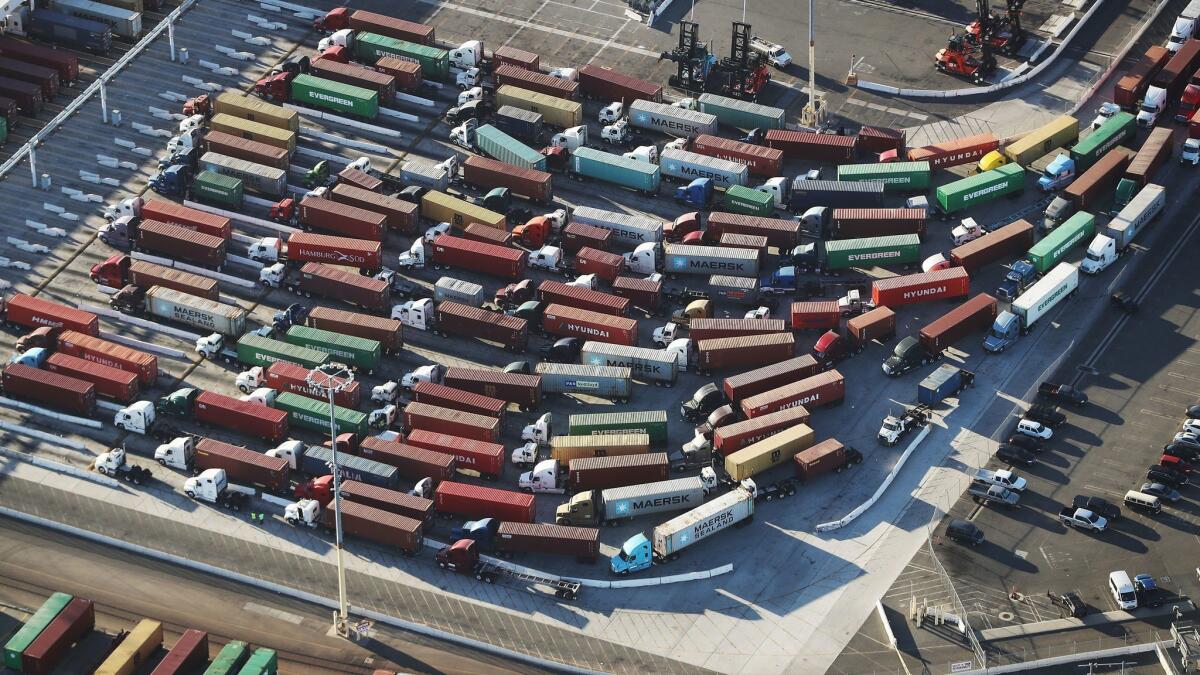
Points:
1181	376
273	613
1151	412
517	32
610	41
1182	391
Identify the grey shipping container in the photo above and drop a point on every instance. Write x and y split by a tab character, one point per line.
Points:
688	166
629	231
671	120
73	31
568	378
741	114
654	365
425	174
709	260
733	289
265	180
834	194
649	498
519	123
465	292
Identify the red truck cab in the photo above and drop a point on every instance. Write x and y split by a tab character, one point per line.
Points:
319	488
1189	102
273	87
112	272
334	20
830	348
682	227
534	233
462	556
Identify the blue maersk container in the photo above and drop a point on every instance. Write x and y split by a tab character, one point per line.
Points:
318	459
941	383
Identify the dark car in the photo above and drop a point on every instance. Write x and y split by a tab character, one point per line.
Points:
1047	414
564	350
1163	474
1186	439
1062	393
1026	442
1071	603
1015	455
964	532
1182	451
1098	506
1164	492
1149	593
1193	411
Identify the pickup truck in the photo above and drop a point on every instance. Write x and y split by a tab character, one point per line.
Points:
986	493
1082	519
1003	478
1062	393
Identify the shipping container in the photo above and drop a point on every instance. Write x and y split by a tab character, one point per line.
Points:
629	230
450	421
475	501
27	95
189	654
183	216
458	319
816	315
980	188
426	174
135	651
48	25
822	389
921	287
614	505
179	242
245	417
742	290
1052	248
110	354
257	178
339	283
311	413
1098	183
382	84
752	242
556	292
651	422
526	182
711	329
256	350
262	662
760	160
341	219
34	312
738	114
456	290
1057	133
1174	76
611	382
670	120
213	188
390	530
441	207
359	353
1116	130
591	473
229	659
574	322
606	84
113	383
616	169
411	462
307	247
966	150
535	81
566	448
746	351
392	27
146	274
828	455
557	112
576	236
369	47
384	499
520	124
607	266
943	382
53	389
976	314
46	78
207	315
483	458
511	56
317	461
519	388
739	199
833	194
1154	151
581	542
759	380
895	176
783	233
33	627
1146	205
643	293
685	166
237	104
61	60
1005	242
1129	90
730	438
709	260
458	399
899	249
495	142
407	73
811	147
261	131
881	139
398	214
283	376
861	223
653	365
772	451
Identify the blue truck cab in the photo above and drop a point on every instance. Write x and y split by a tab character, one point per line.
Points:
780	282
172	180
1003	333
34	358
1058	174
635	555
482	532
698	193
1020	275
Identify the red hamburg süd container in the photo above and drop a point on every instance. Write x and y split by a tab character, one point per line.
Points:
33	312
609	85
246	417
551	291
819	315
711	329
478	256
284	376
458	399
959	151
782	233
189	654
730	438
860	223
392	501
922	287
54	389
184	216
607	266
341	284
644	293
817	390
760	160
387	332
341	219
747	350
72	624
881	139
110	354
511	56
751	382
577	236
1010	240
492	173
407	73
536	81
487	234
379	526
119	385
581	542
486	459
450	421
813	147
475	501
520	388
63	61
573	322
410	461
455	318
331	250
975	314
397	214
176	241
597	473
243	466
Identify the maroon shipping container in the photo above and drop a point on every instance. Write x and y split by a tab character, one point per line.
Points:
818	314
27	95
245	417
376	525
1174	76
556	292
243	466
354	177
336	282
342	219
821	389
450	421
573	322
712	329
387	332
324	248
828	455
881	139
975	314
476	501
72	624
392	501
1154	151
284	376
598	473
244	148
61	60
644	293
1010	240
487	234
355	75
1099	181
609	85
46	78
486	459
581	542
189	654
119	385
53	389
752	242
959	151
577	236
455	318
501	261
491	173
511	56
607	266
752	382
536	81
524	390
407	73
859	223
174	241
813	147
34	312
1129	90
458	399
783	233
184	216
760	160
921	287
877	324
146	274
397	214
110	354
730	438
392	27
747	350
410	461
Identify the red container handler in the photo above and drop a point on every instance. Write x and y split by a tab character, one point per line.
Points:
711	329
114	383
110	354
520	388
347	286
607	266
476	501
819	315
61	60
243	466
410	461
356	76
730	438
817	390
859	223
536	81
459	399
486	459
247	417
556	292
760	160
398	214
455	318
921	287
782	233
54	389
450	421
1010	240
391	27
392	501
34	312
341	219
175	241
577	236
501	261
644	293
581	542
573	322
751	382
355	178
387	332
244	148
284	376
378	526
184	216
407	73
511	56
813	147
881	139
975	314
491	173
828	455
598	473
72	624
744	351
189	654
1130	89
612	85
967	150
308	247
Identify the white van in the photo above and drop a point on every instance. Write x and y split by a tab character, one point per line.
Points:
1122	590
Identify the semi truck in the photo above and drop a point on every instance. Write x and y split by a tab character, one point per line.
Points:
1120	231
1059	283
329	282
616	505
1051	249
1089	190
180	307
453	318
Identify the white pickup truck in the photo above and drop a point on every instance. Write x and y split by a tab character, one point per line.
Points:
1082	519
1003	478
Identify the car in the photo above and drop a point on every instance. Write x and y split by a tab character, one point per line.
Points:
1101	507
811	174
1162	491
1103	113
1149	593
781	490
1193	410
1070	602
1062	393
1185	438
1182	451
1165	474
964	532
1177	463
1191	425
1028	442
1046	414
1034	428
1014	455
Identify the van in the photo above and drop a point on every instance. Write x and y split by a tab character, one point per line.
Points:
1143	502
1122	590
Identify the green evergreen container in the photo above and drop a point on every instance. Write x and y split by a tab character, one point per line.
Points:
360	353
980	188
652	422
899	249
262	662
215	188
313	414
435	63
895	176
1054	247
229	659
256	350
338	97
1115	130
751	202
29	632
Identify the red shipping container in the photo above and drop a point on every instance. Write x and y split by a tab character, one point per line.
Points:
819	315
581	542
355	75
450	421
187	217
975	314
1010	240
490	173
500	261
338	283
607	266
828	455
487	234
577	236
730	438
110	354
747	350
246	417
520	388
390	26
752	242
487	459
573	322
387	332
711	329
1155	150
751	382
53	389
511	56
813	147
821	389
331	250
33	312
244	148
284	376
176	241
551	292
536	81
922	287
760	160
455	318
476	501
63	61
355	178
147	274
392	501
379	526
644	293
119	385
407	73
1129	90
27	95
591	473
243	466
72	624
189	654
410	461
956	152
860	223
46	78
783	233
610	85
341	219
881	139
397	214
458	399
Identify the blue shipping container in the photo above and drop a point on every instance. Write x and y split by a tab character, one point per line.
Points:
944	381
317	460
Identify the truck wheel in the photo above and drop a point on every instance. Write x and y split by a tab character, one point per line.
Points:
293	521
190	494
234	506
136	480
103	471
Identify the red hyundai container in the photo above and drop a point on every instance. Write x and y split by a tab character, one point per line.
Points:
387	332
751	382
760	160
536	81
1010	240
355	178
392	501
243	466
501	261
486	459
450	421
390	26
821	389
34	312
341	219
397	214
27	95
407	73
747	350
712	329
356	76
581	542
881	139
110	354
783	233
244	148
340	284
410	461
598	473
119	385
968	150
818	315
511	56
489	173
476	501
975	314
921	287
828	455
61	60
644	293
1154	151
72	624
53	389
323	248
455	318
813	147
577	236
573	322
610	85
189	654
46	78
607	266
1129	90
520	388
458	399
376	525
556	292
859	223
284	376
730	438
175	241
245	417
187	217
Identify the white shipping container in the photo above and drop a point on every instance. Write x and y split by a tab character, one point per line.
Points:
703	521
457	290
628	230
1041	297
571	378
671	120
647	364
207	315
650	498
688	166
1126	225
425	174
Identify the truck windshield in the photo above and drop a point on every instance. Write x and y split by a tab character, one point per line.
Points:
1093	257
890	425
1147	108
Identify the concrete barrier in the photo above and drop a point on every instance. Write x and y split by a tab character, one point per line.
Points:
862	508
52	414
1081	657
57	467
42	436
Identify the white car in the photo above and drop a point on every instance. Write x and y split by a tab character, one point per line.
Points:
1035	429
1105	111
1192	426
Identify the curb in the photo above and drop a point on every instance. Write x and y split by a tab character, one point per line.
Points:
887	482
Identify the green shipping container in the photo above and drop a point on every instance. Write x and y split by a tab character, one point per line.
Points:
216	188
229	659
615	169
256	350
731	112
29	632
499	145
3	130
313	414
899	249
1054	247
435	63
360	353
652	422
1116	130
262	662
981	188
896	176
740	199
336	96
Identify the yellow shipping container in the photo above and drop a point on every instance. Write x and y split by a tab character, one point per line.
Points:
557	112
567	448
135	650
256	110
770	451
254	131
1040	142
441	207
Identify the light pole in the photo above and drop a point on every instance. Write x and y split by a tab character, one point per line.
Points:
334	378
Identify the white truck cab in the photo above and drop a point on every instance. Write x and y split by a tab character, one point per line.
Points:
414	257
611	113
415	313
545	478
436	231
1152	106
468	55
305	511
387	392
1191	152
616	133
463	135
780	190
177	453
665	335
571	138
292	451
643	259
265	250
590	281
430	373
967	230
137	417
262	396
210	346
539	431
644	153
471	77
546	258
472	94
1101	253
685	103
